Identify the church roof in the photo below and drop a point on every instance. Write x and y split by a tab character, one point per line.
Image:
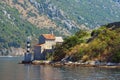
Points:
48	36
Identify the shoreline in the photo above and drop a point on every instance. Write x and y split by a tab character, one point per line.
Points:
71	64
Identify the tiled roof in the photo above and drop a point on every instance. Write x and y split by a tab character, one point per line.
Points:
48	36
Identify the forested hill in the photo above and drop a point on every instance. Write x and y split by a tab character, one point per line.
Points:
14	30
102	44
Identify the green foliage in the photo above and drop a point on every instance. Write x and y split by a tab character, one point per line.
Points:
116	57
81	34
59	53
71	41
62	50
79	37
104	46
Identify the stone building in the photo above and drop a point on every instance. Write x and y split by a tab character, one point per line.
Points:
46	45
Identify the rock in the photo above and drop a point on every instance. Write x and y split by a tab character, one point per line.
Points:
110	64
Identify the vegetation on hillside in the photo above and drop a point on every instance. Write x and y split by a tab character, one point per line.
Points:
103	45
91	13
14	29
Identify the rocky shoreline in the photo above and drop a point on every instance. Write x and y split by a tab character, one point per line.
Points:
74	64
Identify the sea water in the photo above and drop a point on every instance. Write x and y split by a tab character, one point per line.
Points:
11	70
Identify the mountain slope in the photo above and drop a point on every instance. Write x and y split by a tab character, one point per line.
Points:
22	18
103	45
73	13
31	14
16	27
14	30
69	15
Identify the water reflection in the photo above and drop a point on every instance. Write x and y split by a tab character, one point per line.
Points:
36	72
11	70
27	72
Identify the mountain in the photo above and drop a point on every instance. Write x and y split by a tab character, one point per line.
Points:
13	29
16	24
103	45
29	13
69	15
73	13
22	18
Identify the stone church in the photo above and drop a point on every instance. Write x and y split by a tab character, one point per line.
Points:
45	45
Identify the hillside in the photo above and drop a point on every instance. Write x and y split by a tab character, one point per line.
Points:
67	15
22	18
103	45
72	13
13	29
28	12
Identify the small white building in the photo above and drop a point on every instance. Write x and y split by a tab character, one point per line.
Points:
46	45
58	40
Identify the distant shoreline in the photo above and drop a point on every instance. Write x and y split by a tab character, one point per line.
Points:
7	56
11	56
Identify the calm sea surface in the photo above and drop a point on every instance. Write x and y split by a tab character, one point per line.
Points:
11	70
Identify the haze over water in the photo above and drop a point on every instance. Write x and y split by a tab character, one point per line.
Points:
11	70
